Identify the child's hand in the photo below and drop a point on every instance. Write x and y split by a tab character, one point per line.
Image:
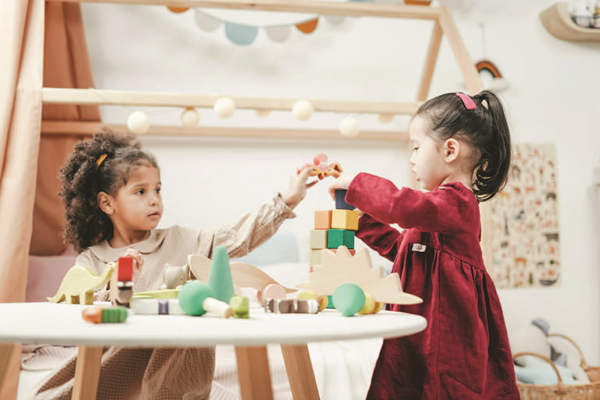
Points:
138	264
137	268
298	186
343	182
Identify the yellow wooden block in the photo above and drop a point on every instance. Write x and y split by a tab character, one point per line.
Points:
323	219
345	219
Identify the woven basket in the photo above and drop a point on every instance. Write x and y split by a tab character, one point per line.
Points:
560	391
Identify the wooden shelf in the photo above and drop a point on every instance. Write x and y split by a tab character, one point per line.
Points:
557	20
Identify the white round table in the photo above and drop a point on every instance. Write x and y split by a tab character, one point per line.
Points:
62	324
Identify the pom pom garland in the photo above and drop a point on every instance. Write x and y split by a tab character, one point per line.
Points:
138	122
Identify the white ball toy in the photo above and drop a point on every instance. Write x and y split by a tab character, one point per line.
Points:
138	122
303	110
349	127
190	118
262	113
225	107
385	118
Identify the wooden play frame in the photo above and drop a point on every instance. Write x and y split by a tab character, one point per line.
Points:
254	380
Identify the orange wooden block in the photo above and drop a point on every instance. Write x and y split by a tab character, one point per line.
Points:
323	219
352	251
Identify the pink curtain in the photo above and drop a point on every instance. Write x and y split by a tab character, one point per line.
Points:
21	47
66	65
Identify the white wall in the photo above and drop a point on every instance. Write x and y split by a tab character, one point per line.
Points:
553	98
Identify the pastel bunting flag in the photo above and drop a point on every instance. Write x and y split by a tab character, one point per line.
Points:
278	33
308	26
241	34
206	22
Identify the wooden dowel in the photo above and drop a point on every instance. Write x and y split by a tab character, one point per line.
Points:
354	9
59	128
432	55
117	97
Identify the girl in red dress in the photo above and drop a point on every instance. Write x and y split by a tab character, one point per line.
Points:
461	156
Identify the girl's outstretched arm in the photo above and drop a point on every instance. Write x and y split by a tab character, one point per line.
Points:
381	237
435	211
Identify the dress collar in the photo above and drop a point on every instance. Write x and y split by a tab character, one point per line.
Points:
106	253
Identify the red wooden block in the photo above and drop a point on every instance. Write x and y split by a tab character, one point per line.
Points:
125	268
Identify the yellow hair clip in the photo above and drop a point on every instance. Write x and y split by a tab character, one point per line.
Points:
100	159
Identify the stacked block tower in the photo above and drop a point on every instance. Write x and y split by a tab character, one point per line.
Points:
333	228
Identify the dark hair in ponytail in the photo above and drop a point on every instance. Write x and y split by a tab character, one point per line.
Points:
82	179
485	129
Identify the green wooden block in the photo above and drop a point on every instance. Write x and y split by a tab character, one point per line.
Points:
318	239
340	237
114	314
240	306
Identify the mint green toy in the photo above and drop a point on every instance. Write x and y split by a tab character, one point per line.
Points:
348	299
219	277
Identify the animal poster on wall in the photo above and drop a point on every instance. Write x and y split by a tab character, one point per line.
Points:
525	231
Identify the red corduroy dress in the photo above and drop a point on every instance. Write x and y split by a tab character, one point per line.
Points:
463	353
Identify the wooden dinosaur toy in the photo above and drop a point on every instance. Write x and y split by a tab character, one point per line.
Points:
78	285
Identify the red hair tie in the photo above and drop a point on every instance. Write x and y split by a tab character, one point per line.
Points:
467	101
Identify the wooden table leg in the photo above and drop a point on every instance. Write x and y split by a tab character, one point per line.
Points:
87	373
254	374
300	372
6	351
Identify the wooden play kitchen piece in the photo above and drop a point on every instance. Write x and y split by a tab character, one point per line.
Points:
196	298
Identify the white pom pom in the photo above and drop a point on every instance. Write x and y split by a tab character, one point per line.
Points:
190	118
138	122
385	118
349	127
225	107
262	113
303	110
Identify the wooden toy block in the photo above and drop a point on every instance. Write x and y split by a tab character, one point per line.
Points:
79	284
308	295
156	307
341	267
340	200
315	256
351	251
318	239
272	291
344	219
219	277
174	276
102	315
321	168
340	237
323	219
349	299
240	306
243	275
125	269
369	307
196	298
291	306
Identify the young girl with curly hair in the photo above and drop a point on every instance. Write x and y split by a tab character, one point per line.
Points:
111	191
461	156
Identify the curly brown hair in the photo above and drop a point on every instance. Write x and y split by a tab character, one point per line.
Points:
82	179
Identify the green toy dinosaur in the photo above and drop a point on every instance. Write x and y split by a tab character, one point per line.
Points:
78	285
